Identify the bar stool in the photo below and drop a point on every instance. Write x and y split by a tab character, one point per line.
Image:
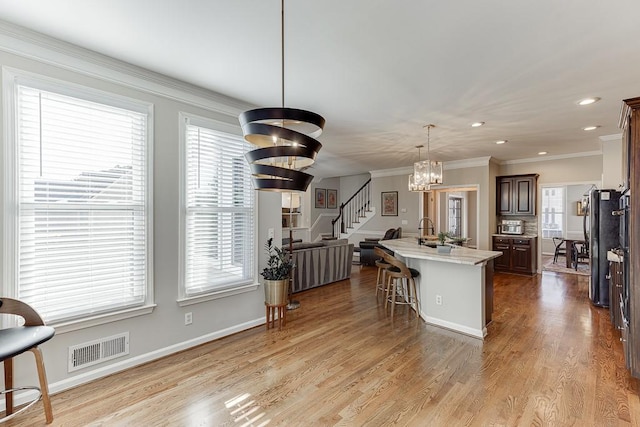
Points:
17	340
396	274
382	265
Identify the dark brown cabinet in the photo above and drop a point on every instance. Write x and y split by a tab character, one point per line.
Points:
516	194
519	254
630	307
502	263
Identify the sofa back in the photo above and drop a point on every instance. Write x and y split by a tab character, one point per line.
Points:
321	264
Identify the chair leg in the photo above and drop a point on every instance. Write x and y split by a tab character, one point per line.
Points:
44	386
8	384
393	295
415	296
387	288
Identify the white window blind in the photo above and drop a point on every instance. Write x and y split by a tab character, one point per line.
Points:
219	211
553	215
82	204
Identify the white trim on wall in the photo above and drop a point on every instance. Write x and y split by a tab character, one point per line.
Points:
36	46
548	158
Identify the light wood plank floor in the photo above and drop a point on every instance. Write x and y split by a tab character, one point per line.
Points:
551	358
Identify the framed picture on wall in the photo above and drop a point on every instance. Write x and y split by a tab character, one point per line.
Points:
389	203
332	199
321	198
581	208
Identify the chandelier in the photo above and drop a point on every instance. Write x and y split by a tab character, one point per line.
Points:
285	138
425	172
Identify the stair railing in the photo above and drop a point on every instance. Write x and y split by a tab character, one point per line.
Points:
352	210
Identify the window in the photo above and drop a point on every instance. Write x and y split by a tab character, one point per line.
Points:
455	216
218	210
552	212
79	161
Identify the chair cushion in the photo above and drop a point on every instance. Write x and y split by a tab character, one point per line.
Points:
397	234
414	272
14	341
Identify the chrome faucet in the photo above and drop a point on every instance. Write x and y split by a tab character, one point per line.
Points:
429	227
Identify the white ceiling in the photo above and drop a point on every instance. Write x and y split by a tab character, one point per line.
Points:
378	71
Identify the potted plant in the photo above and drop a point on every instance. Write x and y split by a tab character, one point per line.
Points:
276	275
442	247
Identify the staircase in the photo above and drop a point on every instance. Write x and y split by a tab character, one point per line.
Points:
354	213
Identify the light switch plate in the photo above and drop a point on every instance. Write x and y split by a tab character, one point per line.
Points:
405	222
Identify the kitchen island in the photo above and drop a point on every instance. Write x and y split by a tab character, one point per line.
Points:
455	290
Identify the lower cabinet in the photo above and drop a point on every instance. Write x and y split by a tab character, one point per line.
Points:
519	254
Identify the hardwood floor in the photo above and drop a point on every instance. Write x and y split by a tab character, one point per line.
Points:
550	358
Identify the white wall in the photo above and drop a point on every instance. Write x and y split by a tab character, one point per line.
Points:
612	162
560	169
163	331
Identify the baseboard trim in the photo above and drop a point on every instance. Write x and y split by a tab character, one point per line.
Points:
476	333
132	362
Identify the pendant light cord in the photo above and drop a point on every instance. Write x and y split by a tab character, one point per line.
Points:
429	142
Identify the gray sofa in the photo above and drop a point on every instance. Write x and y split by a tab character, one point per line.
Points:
319	263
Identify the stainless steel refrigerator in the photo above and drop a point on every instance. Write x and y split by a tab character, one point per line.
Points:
603	228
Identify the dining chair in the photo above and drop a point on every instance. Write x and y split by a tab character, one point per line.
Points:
561	248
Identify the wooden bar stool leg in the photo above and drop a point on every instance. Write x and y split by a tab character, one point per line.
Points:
44	386
8	384
393	295
415	298
387	289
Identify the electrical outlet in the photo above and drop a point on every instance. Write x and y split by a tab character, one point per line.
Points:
188	318
438	299
271	233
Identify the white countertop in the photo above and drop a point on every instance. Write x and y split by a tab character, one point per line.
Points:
515	236
408	247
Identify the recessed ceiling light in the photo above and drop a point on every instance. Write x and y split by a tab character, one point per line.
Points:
476	124
542	153
588	101
502	141
590	128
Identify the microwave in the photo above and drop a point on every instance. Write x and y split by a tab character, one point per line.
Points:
511	226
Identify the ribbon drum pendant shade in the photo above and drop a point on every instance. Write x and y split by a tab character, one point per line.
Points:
286	143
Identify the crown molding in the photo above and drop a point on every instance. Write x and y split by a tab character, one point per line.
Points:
615	137
39	47
467	163
405	170
450	165
548	158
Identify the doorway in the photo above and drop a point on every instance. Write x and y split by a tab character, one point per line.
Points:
453	210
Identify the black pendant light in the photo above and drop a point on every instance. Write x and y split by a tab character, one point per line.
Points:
286	141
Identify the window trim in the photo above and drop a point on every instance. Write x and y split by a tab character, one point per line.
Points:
11	77
222	292
563	188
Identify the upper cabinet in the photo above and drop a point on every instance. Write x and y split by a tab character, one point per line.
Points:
516	194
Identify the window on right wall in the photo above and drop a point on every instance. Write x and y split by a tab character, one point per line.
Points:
553	212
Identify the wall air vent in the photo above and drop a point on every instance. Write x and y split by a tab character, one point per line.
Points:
98	351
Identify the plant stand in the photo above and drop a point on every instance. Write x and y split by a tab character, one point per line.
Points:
271	311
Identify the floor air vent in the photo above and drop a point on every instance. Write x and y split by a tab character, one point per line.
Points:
98	351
